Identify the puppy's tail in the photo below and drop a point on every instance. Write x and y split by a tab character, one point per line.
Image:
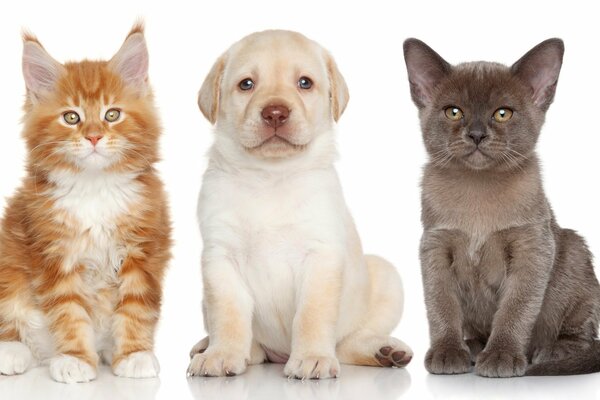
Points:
584	363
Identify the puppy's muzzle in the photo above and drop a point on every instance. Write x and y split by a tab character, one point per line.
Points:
275	115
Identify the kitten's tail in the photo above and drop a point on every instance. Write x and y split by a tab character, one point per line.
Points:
584	363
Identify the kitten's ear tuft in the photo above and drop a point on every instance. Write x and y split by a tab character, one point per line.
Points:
540	68
40	70
210	92
131	61
425	70
339	94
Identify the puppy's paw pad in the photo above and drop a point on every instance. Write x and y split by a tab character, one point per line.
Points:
500	364
448	360
318	367
15	358
141	364
68	369
391	356
217	363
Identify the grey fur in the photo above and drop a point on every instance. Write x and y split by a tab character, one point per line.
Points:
505	287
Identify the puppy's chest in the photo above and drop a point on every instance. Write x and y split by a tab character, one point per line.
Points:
93	209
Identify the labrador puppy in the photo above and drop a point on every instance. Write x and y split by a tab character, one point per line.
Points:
285	278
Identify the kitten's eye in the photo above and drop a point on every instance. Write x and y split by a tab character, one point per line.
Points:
454	113
246	84
71	118
112	115
502	114
305	83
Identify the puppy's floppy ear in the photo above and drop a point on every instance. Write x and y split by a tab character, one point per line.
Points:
539	69
40	70
425	70
338	90
131	61
210	92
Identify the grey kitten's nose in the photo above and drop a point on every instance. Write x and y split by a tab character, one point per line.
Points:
477	136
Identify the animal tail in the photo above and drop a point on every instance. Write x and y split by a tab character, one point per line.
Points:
585	363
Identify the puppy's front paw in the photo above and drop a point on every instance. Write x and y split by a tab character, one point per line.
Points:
312	367
68	369
141	364
216	362
15	358
500	364
447	360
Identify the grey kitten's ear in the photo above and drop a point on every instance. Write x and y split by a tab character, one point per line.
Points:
539	69
131	61
40	70
425	70
210	92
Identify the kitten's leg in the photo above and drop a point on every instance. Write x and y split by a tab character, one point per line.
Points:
137	314
228	319
62	298
371	344
448	353
532	256
314	325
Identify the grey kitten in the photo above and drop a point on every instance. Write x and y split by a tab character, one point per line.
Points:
505	286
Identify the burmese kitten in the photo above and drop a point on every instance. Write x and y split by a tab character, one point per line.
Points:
85	240
505	286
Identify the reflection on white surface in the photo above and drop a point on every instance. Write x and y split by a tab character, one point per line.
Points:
37	384
267	382
470	386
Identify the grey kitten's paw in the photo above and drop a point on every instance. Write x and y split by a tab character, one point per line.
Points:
560	350
500	364
447	360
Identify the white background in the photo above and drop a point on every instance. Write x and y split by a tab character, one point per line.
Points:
381	156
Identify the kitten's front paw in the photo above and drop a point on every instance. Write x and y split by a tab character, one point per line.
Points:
500	364
15	358
141	364
447	360
68	369
217	362
312	367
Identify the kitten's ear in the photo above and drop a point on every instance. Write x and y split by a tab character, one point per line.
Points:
539	69
425	70
210	92
338	93
131	61
40	70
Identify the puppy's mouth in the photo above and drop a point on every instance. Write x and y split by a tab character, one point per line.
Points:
277	140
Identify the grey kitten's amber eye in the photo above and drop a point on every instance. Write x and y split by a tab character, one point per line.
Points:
304	83
112	115
246	84
454	113
71	118
503	114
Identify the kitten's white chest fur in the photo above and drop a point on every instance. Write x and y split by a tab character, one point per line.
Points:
94	202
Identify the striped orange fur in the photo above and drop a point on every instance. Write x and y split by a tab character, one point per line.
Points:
80	269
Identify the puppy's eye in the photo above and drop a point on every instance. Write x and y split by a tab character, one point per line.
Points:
453	113
246	84
71	118
502	114
304	83
112	115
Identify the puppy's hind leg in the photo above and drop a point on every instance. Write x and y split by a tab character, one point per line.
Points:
371	344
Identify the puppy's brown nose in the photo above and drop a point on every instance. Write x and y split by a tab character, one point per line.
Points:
275	116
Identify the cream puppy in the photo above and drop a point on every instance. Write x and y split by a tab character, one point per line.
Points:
285	278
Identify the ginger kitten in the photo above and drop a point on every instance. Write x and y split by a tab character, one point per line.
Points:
505	286
85	240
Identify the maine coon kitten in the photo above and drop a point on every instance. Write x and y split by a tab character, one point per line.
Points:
504	285
86	238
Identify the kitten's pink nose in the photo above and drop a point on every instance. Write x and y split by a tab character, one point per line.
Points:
94	139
